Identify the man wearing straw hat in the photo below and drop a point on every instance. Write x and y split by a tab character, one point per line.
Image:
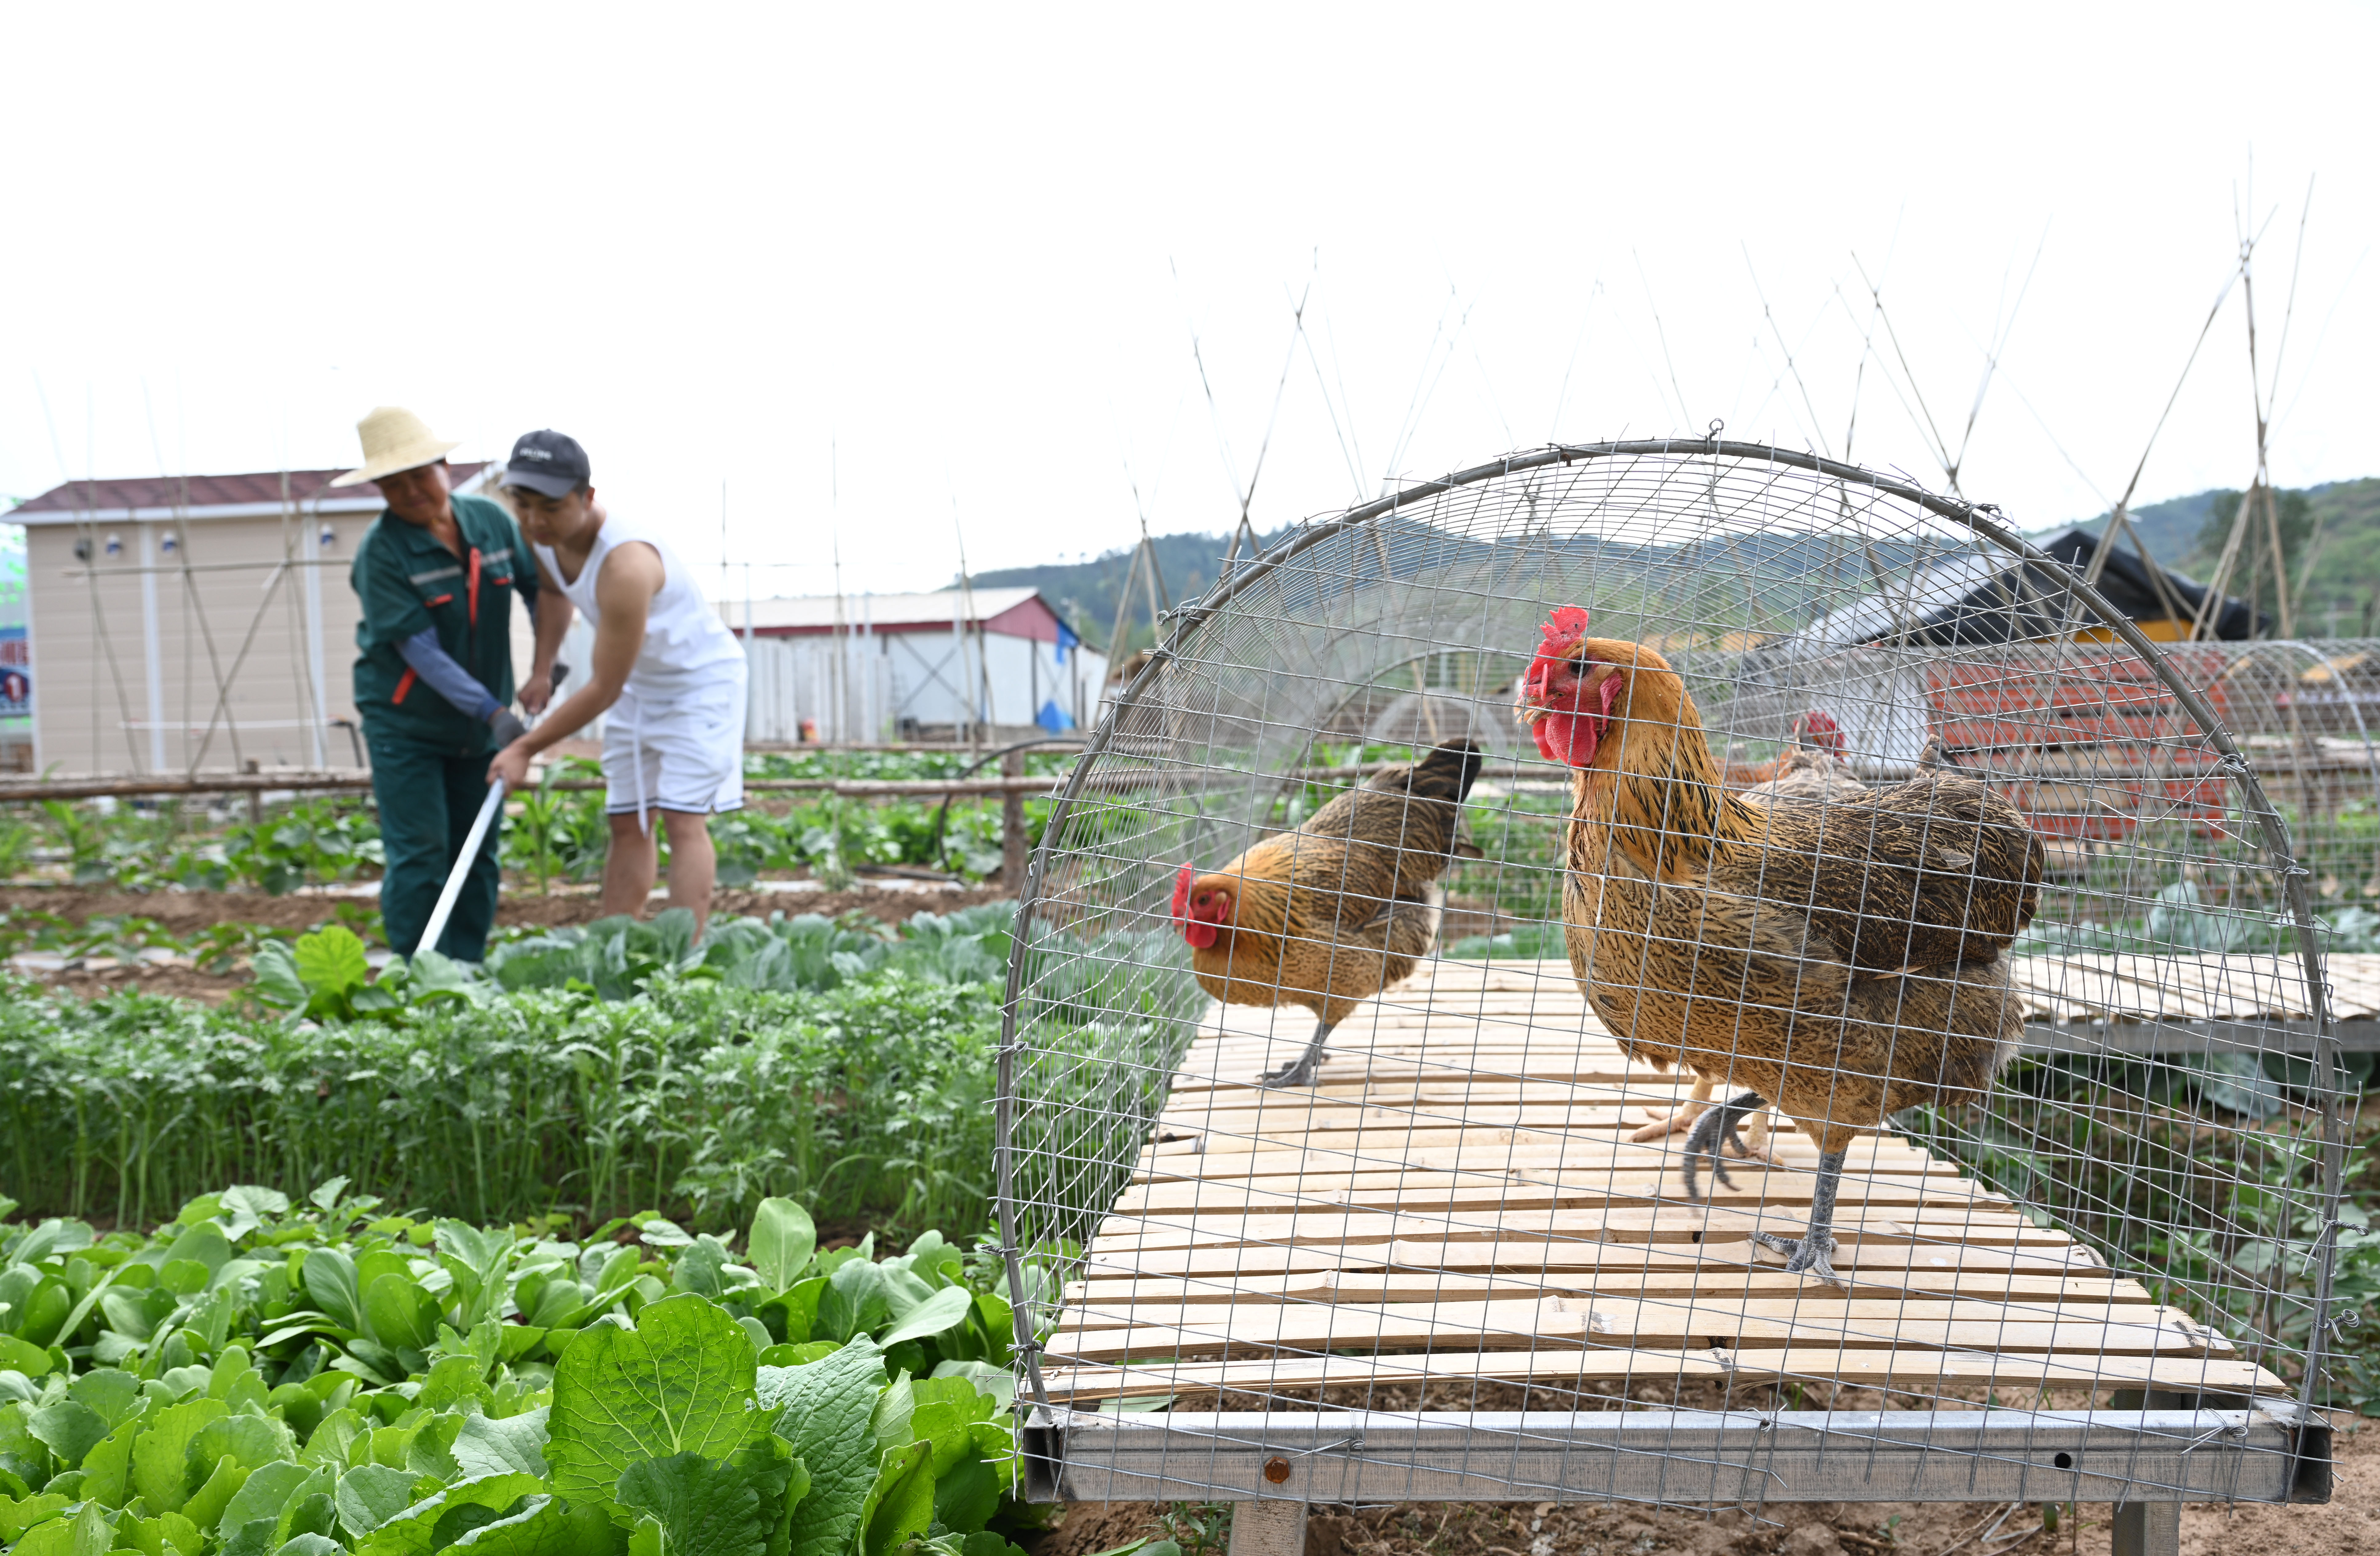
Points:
436	574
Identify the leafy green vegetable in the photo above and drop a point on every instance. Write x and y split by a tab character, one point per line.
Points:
245	1417
681	1381
705	1507
784	1237
824	1409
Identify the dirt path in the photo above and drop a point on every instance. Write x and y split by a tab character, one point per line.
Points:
2349	1525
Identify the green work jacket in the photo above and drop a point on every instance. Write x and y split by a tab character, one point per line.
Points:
408	581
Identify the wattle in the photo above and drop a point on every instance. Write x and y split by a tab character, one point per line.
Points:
1569	738
1200	935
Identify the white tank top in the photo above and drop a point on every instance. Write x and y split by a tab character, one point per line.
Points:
683	634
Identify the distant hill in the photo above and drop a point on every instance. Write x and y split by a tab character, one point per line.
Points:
2345	524
2346	578
2171	527
1085	592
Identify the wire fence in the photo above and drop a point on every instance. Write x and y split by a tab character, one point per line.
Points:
1863	1020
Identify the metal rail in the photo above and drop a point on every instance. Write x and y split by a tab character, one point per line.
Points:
2269	1449
2121	1038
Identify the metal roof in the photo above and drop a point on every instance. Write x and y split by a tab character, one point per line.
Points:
257	494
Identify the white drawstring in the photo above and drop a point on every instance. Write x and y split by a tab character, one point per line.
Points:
636	762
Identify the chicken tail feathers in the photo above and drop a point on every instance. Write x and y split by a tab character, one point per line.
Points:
1447	771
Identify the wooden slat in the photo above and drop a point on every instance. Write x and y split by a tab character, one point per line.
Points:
1460	1187
1922	1372
1276	1118
1674	1223
1182	1161
1472	1089
1436	1285
1206	1331
1853	1257
1421	1193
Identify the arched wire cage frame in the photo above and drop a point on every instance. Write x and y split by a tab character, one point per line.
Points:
1441	1273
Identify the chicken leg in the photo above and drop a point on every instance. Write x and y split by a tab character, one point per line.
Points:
1682	1118
1301	1070
1713	1129
1809	1254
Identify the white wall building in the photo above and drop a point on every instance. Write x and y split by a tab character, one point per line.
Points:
190	622
867	667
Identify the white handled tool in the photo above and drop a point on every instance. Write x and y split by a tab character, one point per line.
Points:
479	825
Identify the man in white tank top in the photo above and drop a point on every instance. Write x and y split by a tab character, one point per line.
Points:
666	670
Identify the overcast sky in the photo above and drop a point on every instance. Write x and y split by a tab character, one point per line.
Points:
968	249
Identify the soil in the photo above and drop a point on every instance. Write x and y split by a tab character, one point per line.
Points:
2349	1525
186	914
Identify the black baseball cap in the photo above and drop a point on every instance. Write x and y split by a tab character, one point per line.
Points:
549	462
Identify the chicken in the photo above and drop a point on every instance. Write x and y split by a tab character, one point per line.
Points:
1328	915
1812	766
1843	959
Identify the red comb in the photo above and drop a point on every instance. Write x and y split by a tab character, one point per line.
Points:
1567	626
1182	894
1821	729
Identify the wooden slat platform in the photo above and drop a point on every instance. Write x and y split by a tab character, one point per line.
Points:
1458	1200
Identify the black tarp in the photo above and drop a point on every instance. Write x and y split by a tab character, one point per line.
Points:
1985	598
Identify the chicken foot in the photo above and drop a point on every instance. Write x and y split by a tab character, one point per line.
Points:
1681	1119
1713	1129
1300	1072
1809	1255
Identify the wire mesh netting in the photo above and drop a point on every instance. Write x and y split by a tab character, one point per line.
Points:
1830	973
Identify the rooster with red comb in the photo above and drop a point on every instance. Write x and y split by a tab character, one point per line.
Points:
1842	957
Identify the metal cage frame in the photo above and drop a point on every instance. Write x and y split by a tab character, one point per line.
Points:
2150	1454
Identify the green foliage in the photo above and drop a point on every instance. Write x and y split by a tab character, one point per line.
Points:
616	956
1527	943
2251	568
498	1389
550	835
2224	1223
555	834
310	844
325	977
2188	533
869	1098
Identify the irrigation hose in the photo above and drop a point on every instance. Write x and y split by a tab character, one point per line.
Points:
943	816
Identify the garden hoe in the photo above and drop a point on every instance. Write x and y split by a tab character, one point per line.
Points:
479	825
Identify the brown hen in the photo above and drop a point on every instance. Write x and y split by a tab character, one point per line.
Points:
1843	958
1810	767
1328	916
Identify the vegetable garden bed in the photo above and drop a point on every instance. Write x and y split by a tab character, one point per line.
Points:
331	1378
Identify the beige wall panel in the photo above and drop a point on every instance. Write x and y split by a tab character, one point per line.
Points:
80	713
218	625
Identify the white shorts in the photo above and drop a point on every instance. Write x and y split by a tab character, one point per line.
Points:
679	746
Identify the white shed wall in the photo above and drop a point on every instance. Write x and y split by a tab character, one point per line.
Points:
890	678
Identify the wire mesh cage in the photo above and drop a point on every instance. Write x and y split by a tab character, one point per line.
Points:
1690	972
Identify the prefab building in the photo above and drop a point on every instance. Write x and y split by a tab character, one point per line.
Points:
196	621
905	666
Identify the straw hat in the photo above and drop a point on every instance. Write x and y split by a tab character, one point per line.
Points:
395	439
